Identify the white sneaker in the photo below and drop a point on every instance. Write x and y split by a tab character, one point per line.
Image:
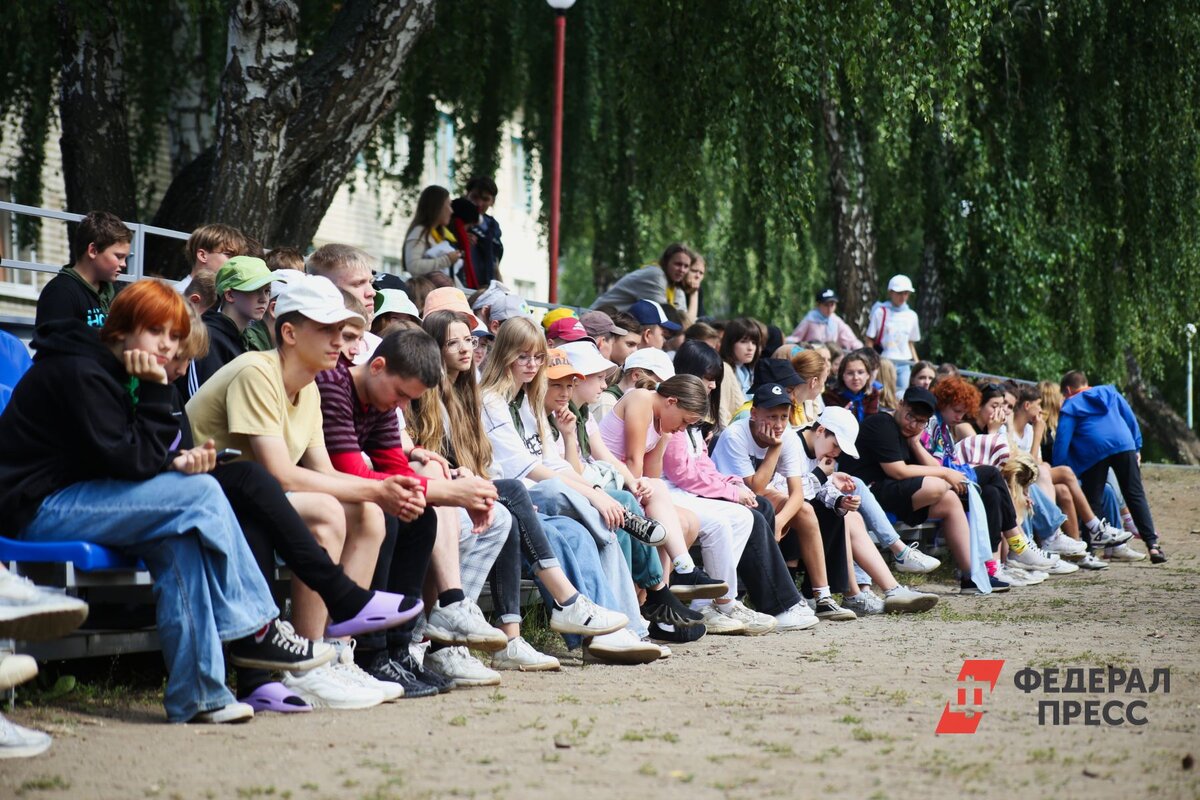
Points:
1063	545
345	666
462	623
911	559
756	624
521	655
623	647
1062	567
15	670
461	668
1109	535
18	742
32	613
325	687
1030	557
232	713
863	604
717	623
797	618
904	600
1018	576
585	618
1089	561
1123	552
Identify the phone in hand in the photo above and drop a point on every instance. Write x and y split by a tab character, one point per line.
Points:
227	455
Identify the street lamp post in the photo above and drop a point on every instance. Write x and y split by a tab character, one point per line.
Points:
560	35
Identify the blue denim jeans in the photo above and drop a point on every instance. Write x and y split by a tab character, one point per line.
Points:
1046	516
879	527
555	498
643	560
206	584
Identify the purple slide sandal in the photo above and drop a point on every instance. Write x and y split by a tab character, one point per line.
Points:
384	610
276	697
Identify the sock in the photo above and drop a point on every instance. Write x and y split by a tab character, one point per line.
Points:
569	601
451	596
683	564
658	595
1093	525
1017	544
903	554
821	592
991	566
1127	521
261	634
892	591
344	608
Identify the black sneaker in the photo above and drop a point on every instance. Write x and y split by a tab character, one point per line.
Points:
644	529
828	609
664	607
697	585
677	634
408	663
280	648
384	668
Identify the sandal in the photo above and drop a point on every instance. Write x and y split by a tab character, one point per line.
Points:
275	697
1157	556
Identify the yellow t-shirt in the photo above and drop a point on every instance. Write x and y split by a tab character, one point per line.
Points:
246	398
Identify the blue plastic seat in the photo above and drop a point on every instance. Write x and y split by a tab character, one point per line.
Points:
86	556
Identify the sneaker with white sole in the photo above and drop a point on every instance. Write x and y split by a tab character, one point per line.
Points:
1062	567
721	624
1090	562
455	664
29	612
1123	552
1109	535
863	604
1030	557
797	618
325	687
345	665
18	742
756	623
521	655
1018	576
1064	545
463	624
903	600
585	618
827	608
232	713
15	670
622	647
912	560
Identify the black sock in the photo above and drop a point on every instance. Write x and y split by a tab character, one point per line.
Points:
569	601
344	608
659	596
451	596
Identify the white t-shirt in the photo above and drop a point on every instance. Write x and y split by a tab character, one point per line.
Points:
515	453
366	348
738	454
900	328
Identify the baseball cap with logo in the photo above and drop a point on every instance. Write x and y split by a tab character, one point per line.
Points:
586	358
315	297
649	312
900	283
827	296
653	360
568	329
243	274
844	427
559	366
771	395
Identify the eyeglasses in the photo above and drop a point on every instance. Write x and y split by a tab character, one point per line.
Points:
525	359
470	343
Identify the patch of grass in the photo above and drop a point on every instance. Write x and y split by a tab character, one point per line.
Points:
849	719
861	734
776	748
43	783
255	791
647	769
1047	756
459	722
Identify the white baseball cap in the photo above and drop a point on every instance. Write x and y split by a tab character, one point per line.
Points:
281	277
315	297
653	360
844	427
900	283
586	358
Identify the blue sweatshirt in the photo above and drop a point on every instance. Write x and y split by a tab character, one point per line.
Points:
1093	425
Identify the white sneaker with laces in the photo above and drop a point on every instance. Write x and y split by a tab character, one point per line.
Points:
18	742
912	560
521	655
1061	567
1018	576
623	647
1031	557
32	613
459	666
797	618
234	712
722	624
1123	552
463	623
864	604
756	624
1063	545
585	618
903	600
351	672
1109	535
1090	562
325	687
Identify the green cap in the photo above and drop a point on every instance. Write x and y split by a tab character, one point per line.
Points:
243	274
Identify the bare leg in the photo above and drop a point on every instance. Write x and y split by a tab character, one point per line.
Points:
812	550
1065	476
945	505
323	515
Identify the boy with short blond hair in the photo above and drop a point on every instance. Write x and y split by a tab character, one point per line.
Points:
351	269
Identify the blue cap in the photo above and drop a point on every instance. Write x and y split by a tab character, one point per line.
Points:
648	312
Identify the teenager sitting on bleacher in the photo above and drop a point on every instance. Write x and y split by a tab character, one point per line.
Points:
351	270
853	389
267	406
85	289
99	464
210	246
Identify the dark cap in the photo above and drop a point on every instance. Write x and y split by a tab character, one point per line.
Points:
827	296
648	312
770	395
917	397
776	370
597	323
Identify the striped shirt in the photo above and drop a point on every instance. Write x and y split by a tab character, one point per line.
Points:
351	426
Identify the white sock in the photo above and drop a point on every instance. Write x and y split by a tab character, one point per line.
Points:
1093	524
683	564
821	592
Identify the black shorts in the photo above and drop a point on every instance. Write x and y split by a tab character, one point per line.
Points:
896	498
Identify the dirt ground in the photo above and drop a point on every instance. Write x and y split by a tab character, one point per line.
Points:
848	710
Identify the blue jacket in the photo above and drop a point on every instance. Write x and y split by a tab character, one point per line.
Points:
1094	424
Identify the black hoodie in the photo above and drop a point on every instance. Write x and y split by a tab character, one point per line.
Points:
76	416
224	345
